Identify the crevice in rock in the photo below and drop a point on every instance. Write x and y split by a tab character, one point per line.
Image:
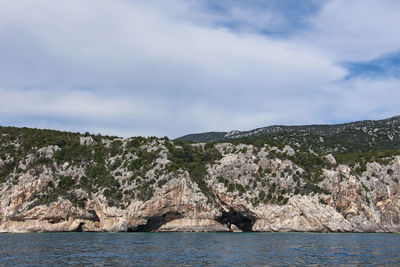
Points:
154	223
16	218
244	220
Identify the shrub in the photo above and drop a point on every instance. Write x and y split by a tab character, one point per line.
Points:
261	195
6	170
240	188
365	188
231	188
272	188
135	143
162	182
65	183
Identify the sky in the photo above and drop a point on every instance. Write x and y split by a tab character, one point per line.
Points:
174	67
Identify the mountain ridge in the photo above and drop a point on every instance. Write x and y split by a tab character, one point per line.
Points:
315	128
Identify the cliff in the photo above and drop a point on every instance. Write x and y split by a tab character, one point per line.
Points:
57	181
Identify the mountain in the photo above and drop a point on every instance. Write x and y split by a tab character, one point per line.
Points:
204	137
382	129
321	178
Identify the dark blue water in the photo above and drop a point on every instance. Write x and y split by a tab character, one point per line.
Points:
215	249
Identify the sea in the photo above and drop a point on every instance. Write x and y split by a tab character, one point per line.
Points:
200	249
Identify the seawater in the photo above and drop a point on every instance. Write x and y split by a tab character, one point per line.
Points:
198	249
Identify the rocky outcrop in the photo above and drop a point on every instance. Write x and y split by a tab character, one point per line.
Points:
177	207
246	189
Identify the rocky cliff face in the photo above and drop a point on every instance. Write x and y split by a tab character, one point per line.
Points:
86	183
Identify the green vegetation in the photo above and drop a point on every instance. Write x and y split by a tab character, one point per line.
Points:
121	170
261	195
162	182
361	136
91	156
184	156
51	193
365	188
6	170
355	143
240	188
143	163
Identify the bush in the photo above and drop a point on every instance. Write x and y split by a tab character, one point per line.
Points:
145	193
365	188
162	182
6	170
272	188
231	188
261	195
240	188
135	143
65	183
313	188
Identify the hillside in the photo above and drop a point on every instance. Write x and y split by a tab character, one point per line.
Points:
365	135
335	179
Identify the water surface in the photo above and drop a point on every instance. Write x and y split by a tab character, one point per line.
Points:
202	249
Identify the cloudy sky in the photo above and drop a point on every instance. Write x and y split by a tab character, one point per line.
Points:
173	67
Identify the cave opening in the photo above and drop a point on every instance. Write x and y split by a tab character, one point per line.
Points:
79	229
154	223
243	220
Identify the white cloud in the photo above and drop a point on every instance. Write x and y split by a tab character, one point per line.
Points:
364	98
146	67
357	30
68	103
141	52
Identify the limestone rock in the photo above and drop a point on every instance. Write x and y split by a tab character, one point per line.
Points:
249	189
331	159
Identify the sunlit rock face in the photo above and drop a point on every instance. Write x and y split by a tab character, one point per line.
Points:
93	183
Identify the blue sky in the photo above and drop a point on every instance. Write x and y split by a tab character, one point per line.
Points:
173	67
